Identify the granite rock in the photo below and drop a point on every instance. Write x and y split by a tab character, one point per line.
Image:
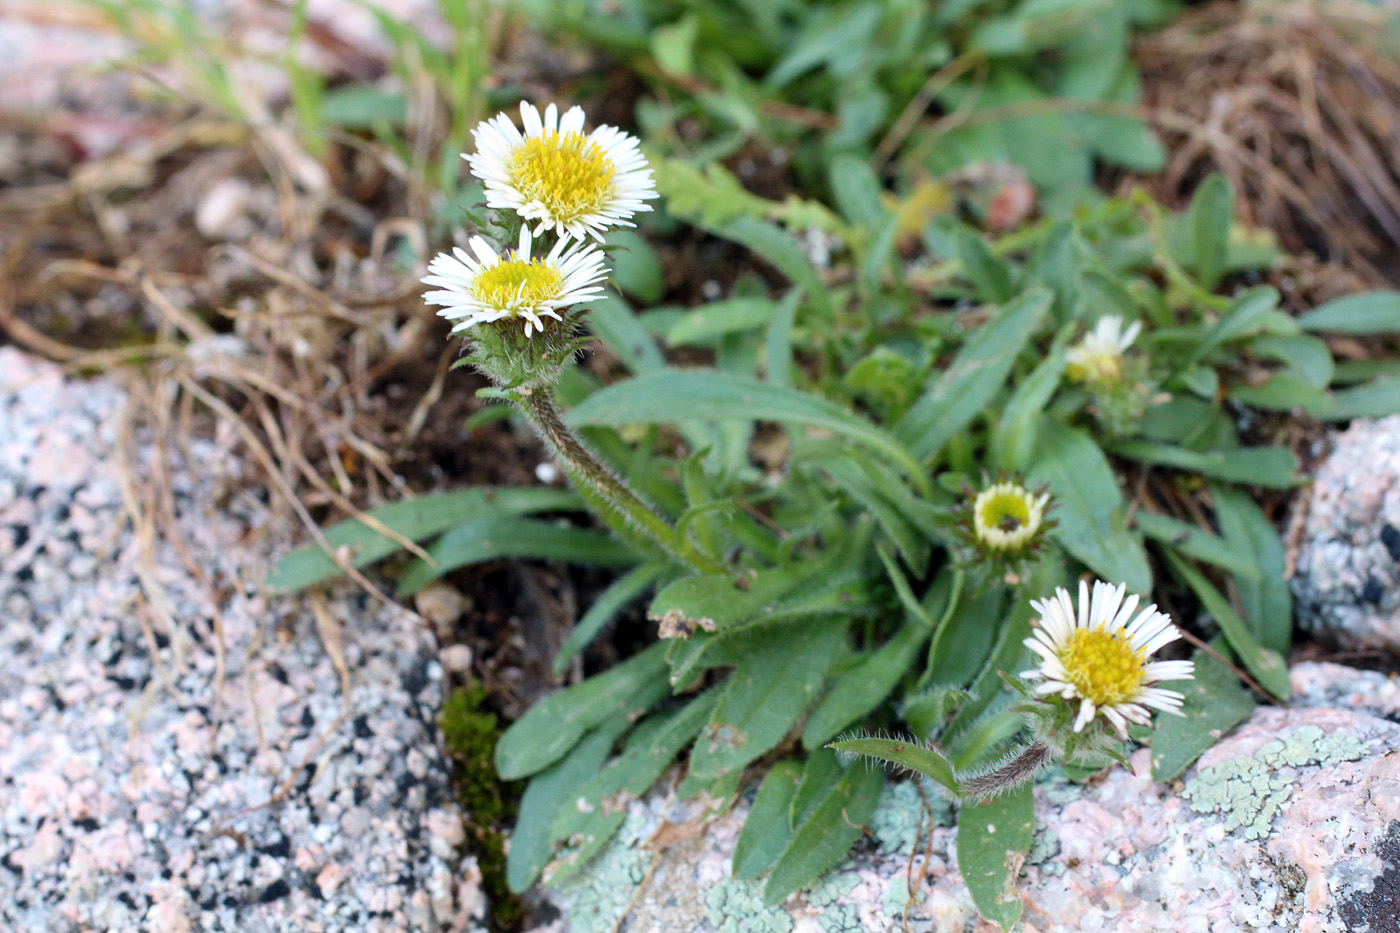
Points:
178	750
1347	581
1291	822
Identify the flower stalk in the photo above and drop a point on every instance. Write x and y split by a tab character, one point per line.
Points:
600	485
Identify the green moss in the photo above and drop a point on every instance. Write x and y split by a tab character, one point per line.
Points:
1251	789
737	907
470	733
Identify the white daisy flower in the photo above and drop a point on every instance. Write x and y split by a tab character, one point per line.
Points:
1099	656
559	178
491	286
1099	356
1006	516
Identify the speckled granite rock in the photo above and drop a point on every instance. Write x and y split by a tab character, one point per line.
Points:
141	790
1348	576
1290	823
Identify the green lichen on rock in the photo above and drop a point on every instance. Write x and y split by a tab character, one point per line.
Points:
737	907
1251	789
599	897
1045	845
902	820
899	907
829	894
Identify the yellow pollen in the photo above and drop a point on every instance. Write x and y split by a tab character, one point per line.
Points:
1102	665
516	282
1005	511
566	173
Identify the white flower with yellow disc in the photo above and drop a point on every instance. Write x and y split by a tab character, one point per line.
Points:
558	178
1098	358
1100	656
483	286
1006	516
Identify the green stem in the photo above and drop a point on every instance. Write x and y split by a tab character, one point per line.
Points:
599	484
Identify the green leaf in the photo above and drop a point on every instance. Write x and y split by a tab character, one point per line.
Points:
1306	356
1284	391
765	696
545	796
993	839
819	775
553	725
857	191
673	45
414	519
605	608
363	107
767	829
782	251
1266	598
726	600
1210	216
1373	400
596	811
635	268
1270	467
859	690
1196	542
968	385
1368	313
1089	507
707	323
907	753
708	395
823	841
1215	703
1014	440
990	276
1267	666
613	321
495	538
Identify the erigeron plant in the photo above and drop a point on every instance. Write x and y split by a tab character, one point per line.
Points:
783	514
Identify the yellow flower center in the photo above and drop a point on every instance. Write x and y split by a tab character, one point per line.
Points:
1102	665
1005	511
515	282
566	173
1096	366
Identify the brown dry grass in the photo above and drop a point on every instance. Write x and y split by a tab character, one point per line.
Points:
1298	104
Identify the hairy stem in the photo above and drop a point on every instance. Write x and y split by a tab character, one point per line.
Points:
1010	774
597	482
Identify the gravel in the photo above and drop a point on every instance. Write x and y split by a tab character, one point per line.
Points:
178	750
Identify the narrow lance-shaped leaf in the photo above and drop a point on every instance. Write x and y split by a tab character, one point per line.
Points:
496	538
765	696
1090	508
904	753
767	829
1215	703
545	796
551	727
592	814
979	371
993	839
1266	598
1196	542
414	519
1266	666
821	842
708	395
